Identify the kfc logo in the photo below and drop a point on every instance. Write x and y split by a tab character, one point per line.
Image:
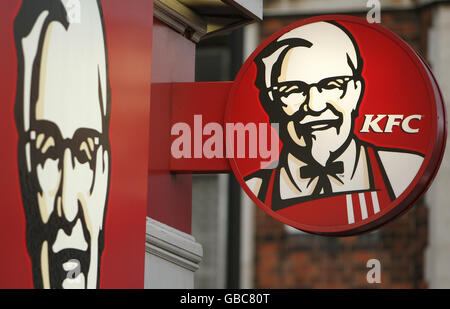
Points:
392	120
62	114
321	80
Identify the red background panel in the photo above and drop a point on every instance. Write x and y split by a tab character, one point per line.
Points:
209	100
129	38
129	34
15	266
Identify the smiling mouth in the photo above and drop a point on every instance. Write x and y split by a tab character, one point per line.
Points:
68	268
320	125
75	278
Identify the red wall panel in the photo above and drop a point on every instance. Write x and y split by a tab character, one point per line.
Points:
170	195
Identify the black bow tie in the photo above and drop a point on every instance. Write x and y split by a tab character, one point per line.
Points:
316	170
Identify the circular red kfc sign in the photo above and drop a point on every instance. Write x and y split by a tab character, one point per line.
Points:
337	125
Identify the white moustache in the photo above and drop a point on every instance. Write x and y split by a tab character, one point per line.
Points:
328	115
73	241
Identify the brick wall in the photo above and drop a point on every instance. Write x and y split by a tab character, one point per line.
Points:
297	260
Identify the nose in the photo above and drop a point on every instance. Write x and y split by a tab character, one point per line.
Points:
69	196
317	101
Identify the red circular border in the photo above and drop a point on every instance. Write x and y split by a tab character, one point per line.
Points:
427	171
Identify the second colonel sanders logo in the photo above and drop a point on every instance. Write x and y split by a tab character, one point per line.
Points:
360	122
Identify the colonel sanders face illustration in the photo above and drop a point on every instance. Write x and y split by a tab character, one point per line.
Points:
62	117
312	86
310	83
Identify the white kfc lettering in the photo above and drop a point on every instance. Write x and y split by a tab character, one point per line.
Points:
405	124
371	123
392	122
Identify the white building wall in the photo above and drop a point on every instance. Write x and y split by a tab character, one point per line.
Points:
171	257
248	208
437	259
210	226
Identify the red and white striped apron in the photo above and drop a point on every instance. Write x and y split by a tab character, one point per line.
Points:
340	209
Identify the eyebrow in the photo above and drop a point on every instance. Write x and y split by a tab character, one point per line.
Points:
338	78
47	127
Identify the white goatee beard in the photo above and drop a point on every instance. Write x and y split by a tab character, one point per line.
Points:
324	144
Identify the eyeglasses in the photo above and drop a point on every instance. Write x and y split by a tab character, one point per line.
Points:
296	92
48	143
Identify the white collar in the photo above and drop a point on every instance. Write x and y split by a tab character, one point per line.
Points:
355	176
